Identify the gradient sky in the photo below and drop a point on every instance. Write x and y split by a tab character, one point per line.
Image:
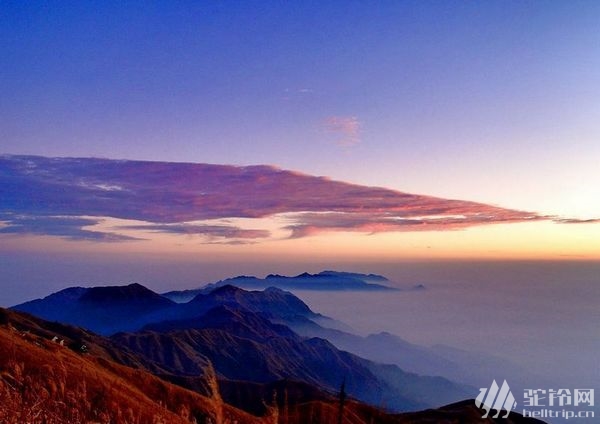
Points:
490	102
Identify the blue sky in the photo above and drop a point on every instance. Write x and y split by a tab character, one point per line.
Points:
444	87
492	102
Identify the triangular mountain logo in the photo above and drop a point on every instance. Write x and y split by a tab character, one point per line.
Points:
497	399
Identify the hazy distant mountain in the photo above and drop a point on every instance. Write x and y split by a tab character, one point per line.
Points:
325	280
473	368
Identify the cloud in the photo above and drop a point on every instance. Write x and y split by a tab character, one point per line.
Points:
211	231
347	128
71	228
61	196
313	223
577	221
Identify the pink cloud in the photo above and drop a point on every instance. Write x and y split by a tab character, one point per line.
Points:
168	196
306	224
211	231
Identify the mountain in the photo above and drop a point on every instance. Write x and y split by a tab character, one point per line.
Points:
243	334
325	280
472	368
229	318
104	310
463	412
46	376
112	309
272	301
245	345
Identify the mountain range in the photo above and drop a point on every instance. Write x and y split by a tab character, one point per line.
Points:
323	281
468	367
231	328
250	342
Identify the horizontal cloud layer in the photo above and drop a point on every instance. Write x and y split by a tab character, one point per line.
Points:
71	228
61	196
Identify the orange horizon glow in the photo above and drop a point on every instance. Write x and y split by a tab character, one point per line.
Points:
519	241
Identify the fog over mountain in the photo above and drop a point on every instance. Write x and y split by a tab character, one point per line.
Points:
322	281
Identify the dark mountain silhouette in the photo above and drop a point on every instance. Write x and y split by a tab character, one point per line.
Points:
325	280
104	310
461	412
131	294
108	310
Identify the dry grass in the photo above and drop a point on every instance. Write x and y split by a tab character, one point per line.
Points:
43	382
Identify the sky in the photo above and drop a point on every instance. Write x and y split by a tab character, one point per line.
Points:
349	126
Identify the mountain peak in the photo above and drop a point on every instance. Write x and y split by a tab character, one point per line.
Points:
273	289
131	292
104	310
226	289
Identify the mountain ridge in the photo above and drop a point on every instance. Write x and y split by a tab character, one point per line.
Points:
322	281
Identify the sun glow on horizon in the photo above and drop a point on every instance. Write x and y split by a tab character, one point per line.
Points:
518	241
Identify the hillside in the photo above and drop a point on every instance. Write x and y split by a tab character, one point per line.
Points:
244	345
51	380
43	381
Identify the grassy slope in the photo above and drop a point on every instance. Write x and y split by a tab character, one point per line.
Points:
42	381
